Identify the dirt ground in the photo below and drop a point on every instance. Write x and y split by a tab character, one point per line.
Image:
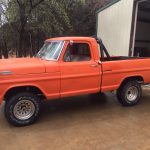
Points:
81	123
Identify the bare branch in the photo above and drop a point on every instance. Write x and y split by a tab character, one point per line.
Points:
36	4
33	6
18	2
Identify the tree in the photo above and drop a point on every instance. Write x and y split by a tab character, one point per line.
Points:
82	14
24	17
3	36
27	23
23	10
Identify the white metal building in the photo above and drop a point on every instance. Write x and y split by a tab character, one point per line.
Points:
124	26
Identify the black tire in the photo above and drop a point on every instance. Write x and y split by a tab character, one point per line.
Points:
12	106
123	93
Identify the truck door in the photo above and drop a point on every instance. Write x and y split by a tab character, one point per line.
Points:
80	74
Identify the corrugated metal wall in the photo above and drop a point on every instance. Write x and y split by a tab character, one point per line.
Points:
114	27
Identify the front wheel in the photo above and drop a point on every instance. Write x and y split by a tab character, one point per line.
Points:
129	93
22	109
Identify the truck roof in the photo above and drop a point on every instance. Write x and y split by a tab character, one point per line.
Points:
71	38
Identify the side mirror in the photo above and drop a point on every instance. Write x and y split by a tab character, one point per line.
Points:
71	42
99	62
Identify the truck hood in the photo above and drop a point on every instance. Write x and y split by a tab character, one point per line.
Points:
21	66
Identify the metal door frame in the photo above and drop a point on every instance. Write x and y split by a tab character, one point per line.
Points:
134	26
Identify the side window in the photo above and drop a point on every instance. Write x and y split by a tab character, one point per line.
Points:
77	52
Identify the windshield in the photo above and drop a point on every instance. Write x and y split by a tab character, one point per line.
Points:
51	50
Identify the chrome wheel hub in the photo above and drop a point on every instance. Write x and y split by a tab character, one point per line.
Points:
132	93
24	109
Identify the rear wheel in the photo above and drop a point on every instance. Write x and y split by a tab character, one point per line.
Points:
23	109
129	93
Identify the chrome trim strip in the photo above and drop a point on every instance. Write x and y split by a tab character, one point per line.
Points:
61	50
6	73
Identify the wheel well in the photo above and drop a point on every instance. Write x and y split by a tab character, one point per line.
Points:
31	89
139	79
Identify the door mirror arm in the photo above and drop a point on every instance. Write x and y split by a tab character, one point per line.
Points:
99	62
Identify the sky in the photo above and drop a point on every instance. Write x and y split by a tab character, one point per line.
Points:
0	14
2	18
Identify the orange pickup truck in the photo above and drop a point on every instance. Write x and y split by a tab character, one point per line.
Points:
68	66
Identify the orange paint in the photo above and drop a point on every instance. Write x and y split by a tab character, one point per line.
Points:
60	79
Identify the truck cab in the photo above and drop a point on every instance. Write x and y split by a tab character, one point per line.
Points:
78	61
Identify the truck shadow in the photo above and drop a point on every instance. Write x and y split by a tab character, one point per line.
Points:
87	105
68	112
76	105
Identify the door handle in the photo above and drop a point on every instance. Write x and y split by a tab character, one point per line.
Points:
107	70
94	65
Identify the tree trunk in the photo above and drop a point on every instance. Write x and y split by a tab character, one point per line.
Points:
0	51
5	53
31	45
37	44
21	35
